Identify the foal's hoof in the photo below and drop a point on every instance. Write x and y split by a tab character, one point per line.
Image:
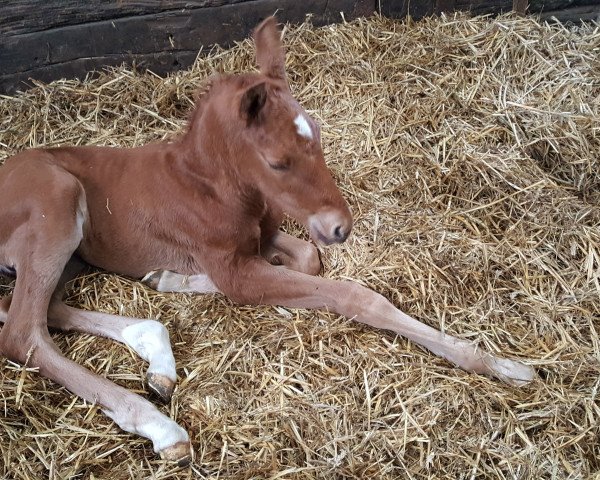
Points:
511	372
161	385
152	279
179	453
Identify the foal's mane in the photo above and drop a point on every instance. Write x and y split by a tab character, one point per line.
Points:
202	96
207	88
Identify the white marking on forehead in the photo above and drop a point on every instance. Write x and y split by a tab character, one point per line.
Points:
303	127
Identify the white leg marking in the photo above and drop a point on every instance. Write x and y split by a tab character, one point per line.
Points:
166	281
150	339
302	127
82	215
201	283
510	371
161	430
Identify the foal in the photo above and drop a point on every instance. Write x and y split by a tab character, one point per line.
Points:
200	214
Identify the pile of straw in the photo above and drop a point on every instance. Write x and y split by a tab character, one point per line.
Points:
469	151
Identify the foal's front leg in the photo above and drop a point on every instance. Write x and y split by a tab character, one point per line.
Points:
293	253
285	250
258	282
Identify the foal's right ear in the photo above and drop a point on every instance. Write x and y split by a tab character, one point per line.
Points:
270	55
252	102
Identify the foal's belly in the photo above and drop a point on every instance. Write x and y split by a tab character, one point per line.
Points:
135	223
137	261
125	238
133	246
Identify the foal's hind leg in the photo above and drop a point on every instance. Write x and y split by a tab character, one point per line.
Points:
167	281
39	247
148	338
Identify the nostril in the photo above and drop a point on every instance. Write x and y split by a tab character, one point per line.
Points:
337	233
340	233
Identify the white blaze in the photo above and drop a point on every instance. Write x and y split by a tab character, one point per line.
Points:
303	127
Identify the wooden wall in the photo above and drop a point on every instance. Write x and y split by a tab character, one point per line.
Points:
50	39
563	10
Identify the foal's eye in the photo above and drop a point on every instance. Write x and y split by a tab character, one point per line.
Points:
281	166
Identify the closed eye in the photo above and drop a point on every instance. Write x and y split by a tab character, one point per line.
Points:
281	166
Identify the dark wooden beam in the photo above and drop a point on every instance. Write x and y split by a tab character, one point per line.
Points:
68	38
550	5
575	15
444	6
402	8
561	8
520	6
482	7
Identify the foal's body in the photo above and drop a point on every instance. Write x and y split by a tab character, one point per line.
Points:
199	214
134	223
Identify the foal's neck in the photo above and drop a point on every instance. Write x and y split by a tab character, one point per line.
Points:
211	151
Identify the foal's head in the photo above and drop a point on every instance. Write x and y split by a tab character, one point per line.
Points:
279	144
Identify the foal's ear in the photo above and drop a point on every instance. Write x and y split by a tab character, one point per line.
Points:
270	55
252	102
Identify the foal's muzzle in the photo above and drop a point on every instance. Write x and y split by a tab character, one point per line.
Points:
330	226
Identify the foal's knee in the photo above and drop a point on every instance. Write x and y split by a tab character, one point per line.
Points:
308	260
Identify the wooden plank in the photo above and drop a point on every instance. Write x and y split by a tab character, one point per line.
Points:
402	8
549	5
161	42
364	8
520	6
27	16
575	15
482	7
445	6
160	63
478	7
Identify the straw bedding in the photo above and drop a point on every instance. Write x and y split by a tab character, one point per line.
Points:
469	151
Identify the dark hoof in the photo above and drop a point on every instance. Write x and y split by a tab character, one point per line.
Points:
152	279
179	453
161	385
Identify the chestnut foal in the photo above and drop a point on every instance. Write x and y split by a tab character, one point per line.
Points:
200	214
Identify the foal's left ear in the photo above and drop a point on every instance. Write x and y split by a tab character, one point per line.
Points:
270	54
252	102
